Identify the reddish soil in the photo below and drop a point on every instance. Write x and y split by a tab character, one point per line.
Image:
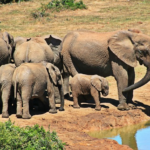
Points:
72	125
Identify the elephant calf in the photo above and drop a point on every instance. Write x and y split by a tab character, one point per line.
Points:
30	80
82	84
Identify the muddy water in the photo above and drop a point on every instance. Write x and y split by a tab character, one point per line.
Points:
136	136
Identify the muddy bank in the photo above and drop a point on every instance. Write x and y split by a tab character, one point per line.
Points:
72	125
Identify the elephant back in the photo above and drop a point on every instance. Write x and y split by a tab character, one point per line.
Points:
32	52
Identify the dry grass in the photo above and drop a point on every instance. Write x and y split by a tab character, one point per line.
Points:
101	15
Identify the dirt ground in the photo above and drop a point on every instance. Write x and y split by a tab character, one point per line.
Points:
73	125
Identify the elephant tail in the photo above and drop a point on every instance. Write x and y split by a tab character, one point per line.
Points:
15	89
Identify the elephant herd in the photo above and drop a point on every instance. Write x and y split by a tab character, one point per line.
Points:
39	67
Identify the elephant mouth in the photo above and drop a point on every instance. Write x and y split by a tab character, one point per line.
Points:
140	61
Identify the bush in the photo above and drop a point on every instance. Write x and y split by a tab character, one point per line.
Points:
28	138
66	4
57	5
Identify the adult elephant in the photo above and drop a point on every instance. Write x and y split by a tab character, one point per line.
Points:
6	44
33	50
108	54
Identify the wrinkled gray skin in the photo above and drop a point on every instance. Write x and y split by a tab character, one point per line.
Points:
93	85
6	73
54	43
34	50
6	45
30	80
108	54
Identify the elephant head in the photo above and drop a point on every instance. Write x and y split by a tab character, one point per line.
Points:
56	78
8	38
129	47
101	84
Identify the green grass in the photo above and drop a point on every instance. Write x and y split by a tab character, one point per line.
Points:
29	138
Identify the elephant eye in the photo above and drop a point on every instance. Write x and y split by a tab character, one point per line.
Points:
29	61
23	61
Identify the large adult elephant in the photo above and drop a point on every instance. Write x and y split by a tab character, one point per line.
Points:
34	50
6	44
108	54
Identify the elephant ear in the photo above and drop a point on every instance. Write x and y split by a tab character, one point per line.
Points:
122	46
52	40
8	38
52	72
96	82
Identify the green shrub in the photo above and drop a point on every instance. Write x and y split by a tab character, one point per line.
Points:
28	138
65	4
58	5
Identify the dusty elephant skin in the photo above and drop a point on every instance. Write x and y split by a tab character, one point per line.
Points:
108	54
86	84
32	51
37	49
6	45
6	74
30	80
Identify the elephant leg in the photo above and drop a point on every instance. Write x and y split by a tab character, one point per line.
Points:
19	106
57	95
5	98
131	75
66	84
50	92
26	95
121	76
75	99
96	96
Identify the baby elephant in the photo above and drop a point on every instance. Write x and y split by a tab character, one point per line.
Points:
30	80
82	84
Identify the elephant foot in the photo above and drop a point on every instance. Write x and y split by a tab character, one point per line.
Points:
98	108
76	106
53	111
19	115
61	109
123	106
5	115
25	116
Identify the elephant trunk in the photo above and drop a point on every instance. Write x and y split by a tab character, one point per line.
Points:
61	92
143	81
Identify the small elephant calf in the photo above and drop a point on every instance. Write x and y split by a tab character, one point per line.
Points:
82	84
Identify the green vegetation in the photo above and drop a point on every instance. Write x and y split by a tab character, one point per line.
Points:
28	138
65	4
58	5
10	1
